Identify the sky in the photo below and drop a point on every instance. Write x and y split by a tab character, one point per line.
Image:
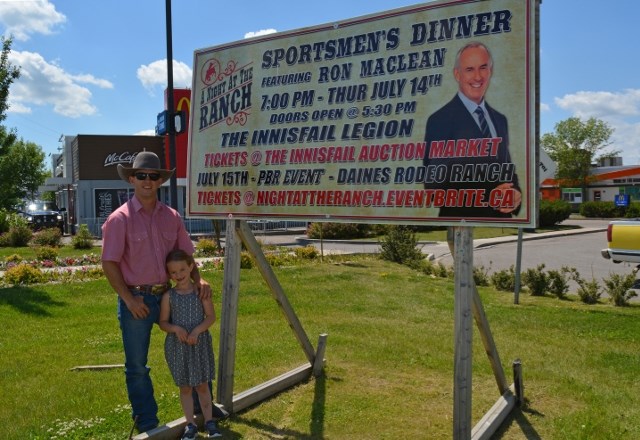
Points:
100	67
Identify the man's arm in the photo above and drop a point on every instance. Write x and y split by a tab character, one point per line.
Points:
184	242
204	288
135	304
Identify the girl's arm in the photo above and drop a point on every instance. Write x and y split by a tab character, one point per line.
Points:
164	321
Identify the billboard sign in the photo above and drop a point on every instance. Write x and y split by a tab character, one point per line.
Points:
372	119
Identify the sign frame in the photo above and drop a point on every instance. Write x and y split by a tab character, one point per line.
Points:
281	128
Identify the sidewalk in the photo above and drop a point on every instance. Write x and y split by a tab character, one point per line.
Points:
586	226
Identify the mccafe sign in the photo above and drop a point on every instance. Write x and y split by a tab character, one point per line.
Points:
123	158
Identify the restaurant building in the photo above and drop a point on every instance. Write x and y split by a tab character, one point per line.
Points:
85	176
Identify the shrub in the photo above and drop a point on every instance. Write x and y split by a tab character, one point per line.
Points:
536	280
206	247
425	266
378	229
443	271
15	258
633	210
619	288
47	237
23	274
46	253
480	276
559	281
307	252
18	236
245	260
588	291
338	231
504	280
553	212
399	245
215	264
83	238
277	259
600	210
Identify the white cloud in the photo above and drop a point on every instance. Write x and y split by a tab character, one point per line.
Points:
90	79
260	33
600	104
544	107
149	132
23	18
155	74
42	83
621	110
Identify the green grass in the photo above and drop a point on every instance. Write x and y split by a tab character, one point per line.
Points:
389	369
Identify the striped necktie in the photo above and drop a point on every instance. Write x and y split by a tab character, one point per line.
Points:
484	127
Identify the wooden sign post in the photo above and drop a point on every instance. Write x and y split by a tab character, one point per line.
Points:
467	301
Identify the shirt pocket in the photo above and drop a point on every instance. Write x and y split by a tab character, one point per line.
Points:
138	245
169	237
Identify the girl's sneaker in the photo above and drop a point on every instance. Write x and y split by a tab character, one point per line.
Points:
212	429
190	432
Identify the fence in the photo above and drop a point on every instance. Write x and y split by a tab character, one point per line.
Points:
205	227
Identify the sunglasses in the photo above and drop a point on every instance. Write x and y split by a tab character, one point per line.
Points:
143	176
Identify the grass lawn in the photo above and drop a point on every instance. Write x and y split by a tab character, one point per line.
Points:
389	370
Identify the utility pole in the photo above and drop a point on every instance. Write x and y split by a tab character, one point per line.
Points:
171	123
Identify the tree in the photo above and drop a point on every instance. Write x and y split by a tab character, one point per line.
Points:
21	163
23	171
8	74
574	146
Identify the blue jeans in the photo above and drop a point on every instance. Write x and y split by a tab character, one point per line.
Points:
136	336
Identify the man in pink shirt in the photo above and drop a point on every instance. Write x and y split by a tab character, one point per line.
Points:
136	239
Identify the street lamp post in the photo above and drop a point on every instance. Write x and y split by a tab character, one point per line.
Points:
171	129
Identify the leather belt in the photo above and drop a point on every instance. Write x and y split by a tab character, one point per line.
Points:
153	289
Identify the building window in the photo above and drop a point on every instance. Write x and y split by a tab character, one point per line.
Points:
572	195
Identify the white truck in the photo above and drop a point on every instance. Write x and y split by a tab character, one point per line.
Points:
623	237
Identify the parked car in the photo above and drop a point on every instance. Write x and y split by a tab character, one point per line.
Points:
40	215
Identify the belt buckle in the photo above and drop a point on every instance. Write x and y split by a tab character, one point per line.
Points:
158	289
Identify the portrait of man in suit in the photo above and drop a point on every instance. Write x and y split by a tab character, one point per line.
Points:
468	146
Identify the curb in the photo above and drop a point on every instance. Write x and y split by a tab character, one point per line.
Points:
527	237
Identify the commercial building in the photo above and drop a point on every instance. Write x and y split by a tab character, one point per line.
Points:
86	181
609	180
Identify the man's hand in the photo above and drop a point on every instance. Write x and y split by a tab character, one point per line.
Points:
137	307
517	197
204	289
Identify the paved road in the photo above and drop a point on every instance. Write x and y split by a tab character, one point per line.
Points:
578	248
581	251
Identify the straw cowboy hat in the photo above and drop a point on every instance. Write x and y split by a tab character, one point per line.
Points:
145	160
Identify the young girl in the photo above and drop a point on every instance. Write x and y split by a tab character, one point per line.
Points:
188	347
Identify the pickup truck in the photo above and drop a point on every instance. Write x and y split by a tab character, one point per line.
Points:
623	237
